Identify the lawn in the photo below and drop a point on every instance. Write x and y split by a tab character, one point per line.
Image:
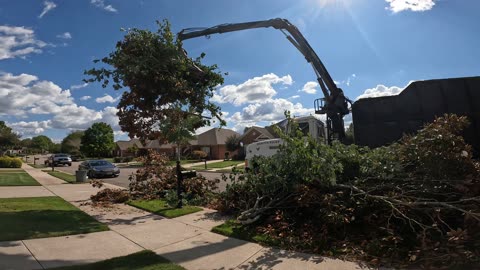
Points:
220	165
64	176
27	218
162	208
143	260
183	161
232	228
16	177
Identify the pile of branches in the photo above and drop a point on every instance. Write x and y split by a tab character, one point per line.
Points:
107	196
157	178
415	203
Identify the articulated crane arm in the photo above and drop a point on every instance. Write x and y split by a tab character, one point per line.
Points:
334	103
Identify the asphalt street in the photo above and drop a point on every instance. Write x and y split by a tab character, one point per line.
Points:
122	179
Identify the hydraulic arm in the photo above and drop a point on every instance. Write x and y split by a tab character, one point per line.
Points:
334	104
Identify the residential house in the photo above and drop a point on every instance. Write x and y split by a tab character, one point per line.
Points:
167	148
213	142
127	148
308	125
256	134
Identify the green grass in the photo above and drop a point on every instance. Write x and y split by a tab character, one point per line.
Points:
143	260
232	228
27	218
61	175
37	166
183	161
162	208
219	165
16	177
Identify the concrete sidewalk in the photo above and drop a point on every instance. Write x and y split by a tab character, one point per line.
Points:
185	240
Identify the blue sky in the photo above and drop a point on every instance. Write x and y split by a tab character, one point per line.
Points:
370	48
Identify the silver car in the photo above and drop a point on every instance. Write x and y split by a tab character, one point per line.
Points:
99	168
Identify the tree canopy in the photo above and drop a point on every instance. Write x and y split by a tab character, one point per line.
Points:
97	140
71	143
162	85
42	143
8	138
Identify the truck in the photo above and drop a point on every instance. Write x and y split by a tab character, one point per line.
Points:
266	148
58	159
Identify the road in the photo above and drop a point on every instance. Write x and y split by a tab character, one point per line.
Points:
122	179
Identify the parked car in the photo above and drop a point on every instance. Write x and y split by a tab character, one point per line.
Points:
99	168
58	159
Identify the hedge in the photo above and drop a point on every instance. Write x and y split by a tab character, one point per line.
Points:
8	162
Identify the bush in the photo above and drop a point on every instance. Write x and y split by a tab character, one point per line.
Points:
198	154
8	162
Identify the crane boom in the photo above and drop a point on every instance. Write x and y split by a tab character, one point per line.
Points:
334	103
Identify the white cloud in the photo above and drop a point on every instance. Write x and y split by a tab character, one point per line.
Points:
48	5
107	99
271	110
32	128
252	91
78	86
294	97
310	88
25	95
18	42
414	5
382	91
85	98
348	81
65	35
101	4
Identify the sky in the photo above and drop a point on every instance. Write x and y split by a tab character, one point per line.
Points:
370	48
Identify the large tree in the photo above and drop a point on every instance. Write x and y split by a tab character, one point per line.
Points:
97	140
8	138
163	87
42	143
71	143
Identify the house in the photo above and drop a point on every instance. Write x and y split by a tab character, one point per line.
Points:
308	125
213	142
256	134
127	148
167	148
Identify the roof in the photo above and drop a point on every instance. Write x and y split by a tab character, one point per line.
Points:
261	131
124	145
215	136
155	144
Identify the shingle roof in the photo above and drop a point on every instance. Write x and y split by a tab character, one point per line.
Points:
261	131
215	136
124	145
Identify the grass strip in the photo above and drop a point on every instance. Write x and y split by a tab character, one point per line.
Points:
219	165
61	175
143	260
16	178
232	228
37	166
161	207
27	218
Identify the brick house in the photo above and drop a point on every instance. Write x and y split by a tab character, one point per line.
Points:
127	148
256	134
213	141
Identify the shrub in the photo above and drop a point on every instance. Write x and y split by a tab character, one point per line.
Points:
198	154
8	162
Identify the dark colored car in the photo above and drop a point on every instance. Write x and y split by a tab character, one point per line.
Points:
99	168
58	159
